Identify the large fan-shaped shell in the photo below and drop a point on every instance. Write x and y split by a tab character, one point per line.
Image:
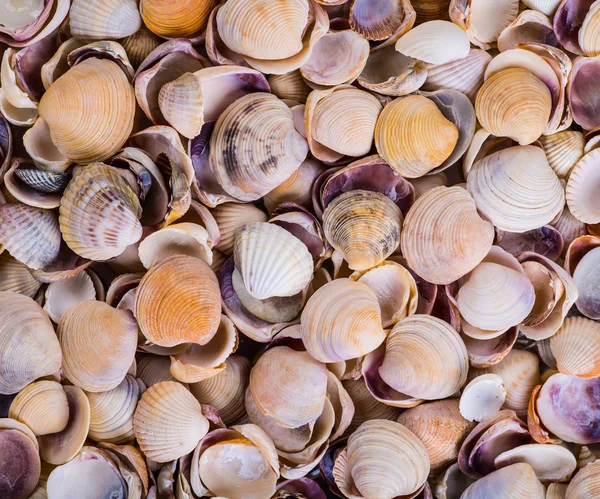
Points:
589	34
176	18
576	347
516	480
106	20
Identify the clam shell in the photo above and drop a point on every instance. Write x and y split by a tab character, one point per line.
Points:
482	397
42	406
111	412
585	482
108	20
20	460
233	216
176	18
341	321
168	422
289	86
366	407
520	174
581	92
487	352
152	369
243	172
586	278
271	261
63	294
576	347
563	151
547	7
550	462
444	238
15	277
99	213
529	26
545	241
386	20
90	329
182	105
413	136
25	332
569	227
516	480
84	129
429	10
588	38
514	103
581	187
139	45
178	301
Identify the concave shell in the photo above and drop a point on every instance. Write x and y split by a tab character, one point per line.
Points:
529	26
383	459
487	352
588	38
42	406
545	241
243	171
384	20
31	235
108	20
168	422
586	278
178	301
90	330
516	189
19	460
482	397
14	276
99	213
550	462
366	407
111	412
364	226
176	18
581	187
582	92
39	188
516	480
452	483
444	238
413	136
341	321
412	365
63	294
514	103
38	144
29	346
563	150
232	216
584	483
84	129
152	369
441	428
435	42
225	391
576	347
569	227
340	122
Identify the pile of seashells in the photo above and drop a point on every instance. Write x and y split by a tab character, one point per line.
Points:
270	249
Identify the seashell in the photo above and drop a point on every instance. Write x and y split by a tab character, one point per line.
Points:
289	86
43	181
162	306
133	462
441	428
26	27
181	103
140	45
588	34
176	19
340	122
585	482
90	329
225	391
586	276
573	346
428	10
62	295
364	226
85	130
42	406
15	277
516	480
104	21
152	369
545	241
452	483
232	216
111	412
509	96
581	91
232	158
20	460
382	459
483	20
578	249
305	486
286	270
563	151
366	407
30	235
550	462
436	231
482	397
401	123
487	352
387	20
556	491
547	7
15	104
168	422
520	172
39	146
569	227
338	57
341	321
530	26
58	448
25	332
580	188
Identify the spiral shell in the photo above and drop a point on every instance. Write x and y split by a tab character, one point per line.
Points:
42	406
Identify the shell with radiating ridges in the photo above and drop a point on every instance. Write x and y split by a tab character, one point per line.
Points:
366	407
42	406
563	150
106	20
516	480
576	347
385	20
585	483
176	18
15	277
232	216
581	188
290	86
181	103
589	37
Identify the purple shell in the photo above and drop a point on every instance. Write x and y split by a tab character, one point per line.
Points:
6	146
583	92
304	486
328	461
28	64
568	21
545	241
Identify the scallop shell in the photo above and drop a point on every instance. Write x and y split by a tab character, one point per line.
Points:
516	189
514	103
413	136
232	216
341	321
25	332
176	18
444	238
63	294
42	406
178	301
91	329
563	151
108	20
516	480
271	261
84	129
364	226
99	213
152	369
15	277
290	86
581	187
386	20
576	347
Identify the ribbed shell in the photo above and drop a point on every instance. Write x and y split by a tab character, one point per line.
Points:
182	104
99	213
25	333
563	150
381	20
111	412
42	406
152	369
297	188
516	189
176	18
31	235
589	34
341	321
444	237
576	347
290	86
569	227
366	407
271	261
232	216
105	20
413	136
178	301
242	168
84	128
582	186
424	358
168	422
547	7
585	483
15	277
514	103
516	480
139	45
43	181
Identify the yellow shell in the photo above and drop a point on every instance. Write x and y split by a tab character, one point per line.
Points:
176	18
290	86
42	406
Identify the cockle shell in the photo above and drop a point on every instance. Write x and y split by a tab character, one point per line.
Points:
176	18
581	186
139	45
232	216
152	369
576	347
20	460
297	188
563	150
588	34
386	20
290	86
15	277
516	480
366	407
39	188
108	20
